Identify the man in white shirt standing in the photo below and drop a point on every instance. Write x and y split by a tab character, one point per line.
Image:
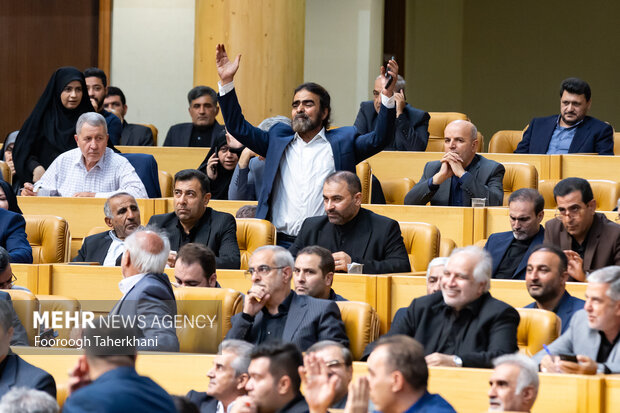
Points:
90	170
299	160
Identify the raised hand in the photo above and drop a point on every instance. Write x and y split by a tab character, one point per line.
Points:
225	68
319	388
392	70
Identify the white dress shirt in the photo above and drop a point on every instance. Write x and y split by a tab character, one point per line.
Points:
126	284
117	247
67	175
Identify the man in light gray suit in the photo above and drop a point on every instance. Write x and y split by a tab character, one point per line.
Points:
461	174
594	332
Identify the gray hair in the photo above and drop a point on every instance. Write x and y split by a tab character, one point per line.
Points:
281	256
436	262
608	275
242	350
268	123
484	263
528	370
144	260
106	206
93	119
24	400
346	353
6	315
5	259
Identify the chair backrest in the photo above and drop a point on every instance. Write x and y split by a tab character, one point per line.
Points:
6	172
446	245
49	303
49	238
25	304
505	141
537	327
251	234
165	184
439	120
363	173
361	324
154	130
616	143
395	190
422	243
605	192
518	175
202	305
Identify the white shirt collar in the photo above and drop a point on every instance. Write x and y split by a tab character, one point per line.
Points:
126	284
320	135
80	159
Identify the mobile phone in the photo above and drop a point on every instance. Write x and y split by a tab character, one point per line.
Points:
387	76
568	357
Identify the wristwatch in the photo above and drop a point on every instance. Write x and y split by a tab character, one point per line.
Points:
458	361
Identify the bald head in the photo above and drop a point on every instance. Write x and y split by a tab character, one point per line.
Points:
146	252
461	137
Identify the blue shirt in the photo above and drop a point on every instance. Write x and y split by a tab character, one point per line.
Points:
431	403
562	138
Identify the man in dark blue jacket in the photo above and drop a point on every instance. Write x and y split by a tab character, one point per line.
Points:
13	237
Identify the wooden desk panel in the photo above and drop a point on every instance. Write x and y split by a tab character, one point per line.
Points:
27	276
611	394
171	159
590	166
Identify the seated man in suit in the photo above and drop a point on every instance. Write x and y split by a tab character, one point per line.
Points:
593	332
132	133
511	249
461	326
227	378
97	85
90	170
105	378
122	215
338	361
461	174
16	372
195	266
589	240
297	161
314	273
193	221
411	128
513	384
354	234
13	237
203	128
572	131
545	279
272	311
147	293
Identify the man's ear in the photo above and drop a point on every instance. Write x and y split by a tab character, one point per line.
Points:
528	393
108	221
329	279
212	280
284	385
357	198
207	198
242	380
76	138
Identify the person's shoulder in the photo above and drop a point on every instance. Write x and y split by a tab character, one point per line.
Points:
500	236
367	106
180	126
27	371
589	120
488	163
156	284
98	236
497	306
544	119
377	217
163	219
415	112
220	216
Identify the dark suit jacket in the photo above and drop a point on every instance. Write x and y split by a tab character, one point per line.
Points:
13	237
204	402
483	180
19	373
114	126
498	243
151	299
349	147
370	239
603	241
217	230
120	390
489	334
567	306
20	337
592	136
309	320
136	135
410	130
95	248
180	134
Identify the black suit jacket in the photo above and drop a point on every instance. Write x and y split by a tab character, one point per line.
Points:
136	135
217	230
309	320
410	129
95	248
19	373
180	134
489	334
204	402
370	239
20	337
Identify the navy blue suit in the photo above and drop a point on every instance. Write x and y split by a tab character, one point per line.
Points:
19	373
348	146
13	237
565	309
498	243
120	390
592	136
115	127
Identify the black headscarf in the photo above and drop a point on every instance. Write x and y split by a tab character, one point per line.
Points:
219	185
10	197
50	128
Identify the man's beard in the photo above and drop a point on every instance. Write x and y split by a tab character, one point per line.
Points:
302	123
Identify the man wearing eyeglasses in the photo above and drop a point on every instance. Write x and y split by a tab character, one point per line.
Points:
589	240
272	311
339	362
511	249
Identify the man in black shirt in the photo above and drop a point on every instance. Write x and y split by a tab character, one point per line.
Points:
511	249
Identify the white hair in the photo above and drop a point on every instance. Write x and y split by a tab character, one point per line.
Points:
24	400
281	256
484	263
270	122
93	119
242	350
608	275
436	262
528	370
143	259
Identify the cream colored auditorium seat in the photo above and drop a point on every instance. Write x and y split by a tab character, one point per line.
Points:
49	238
606	193
518	175
505	141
